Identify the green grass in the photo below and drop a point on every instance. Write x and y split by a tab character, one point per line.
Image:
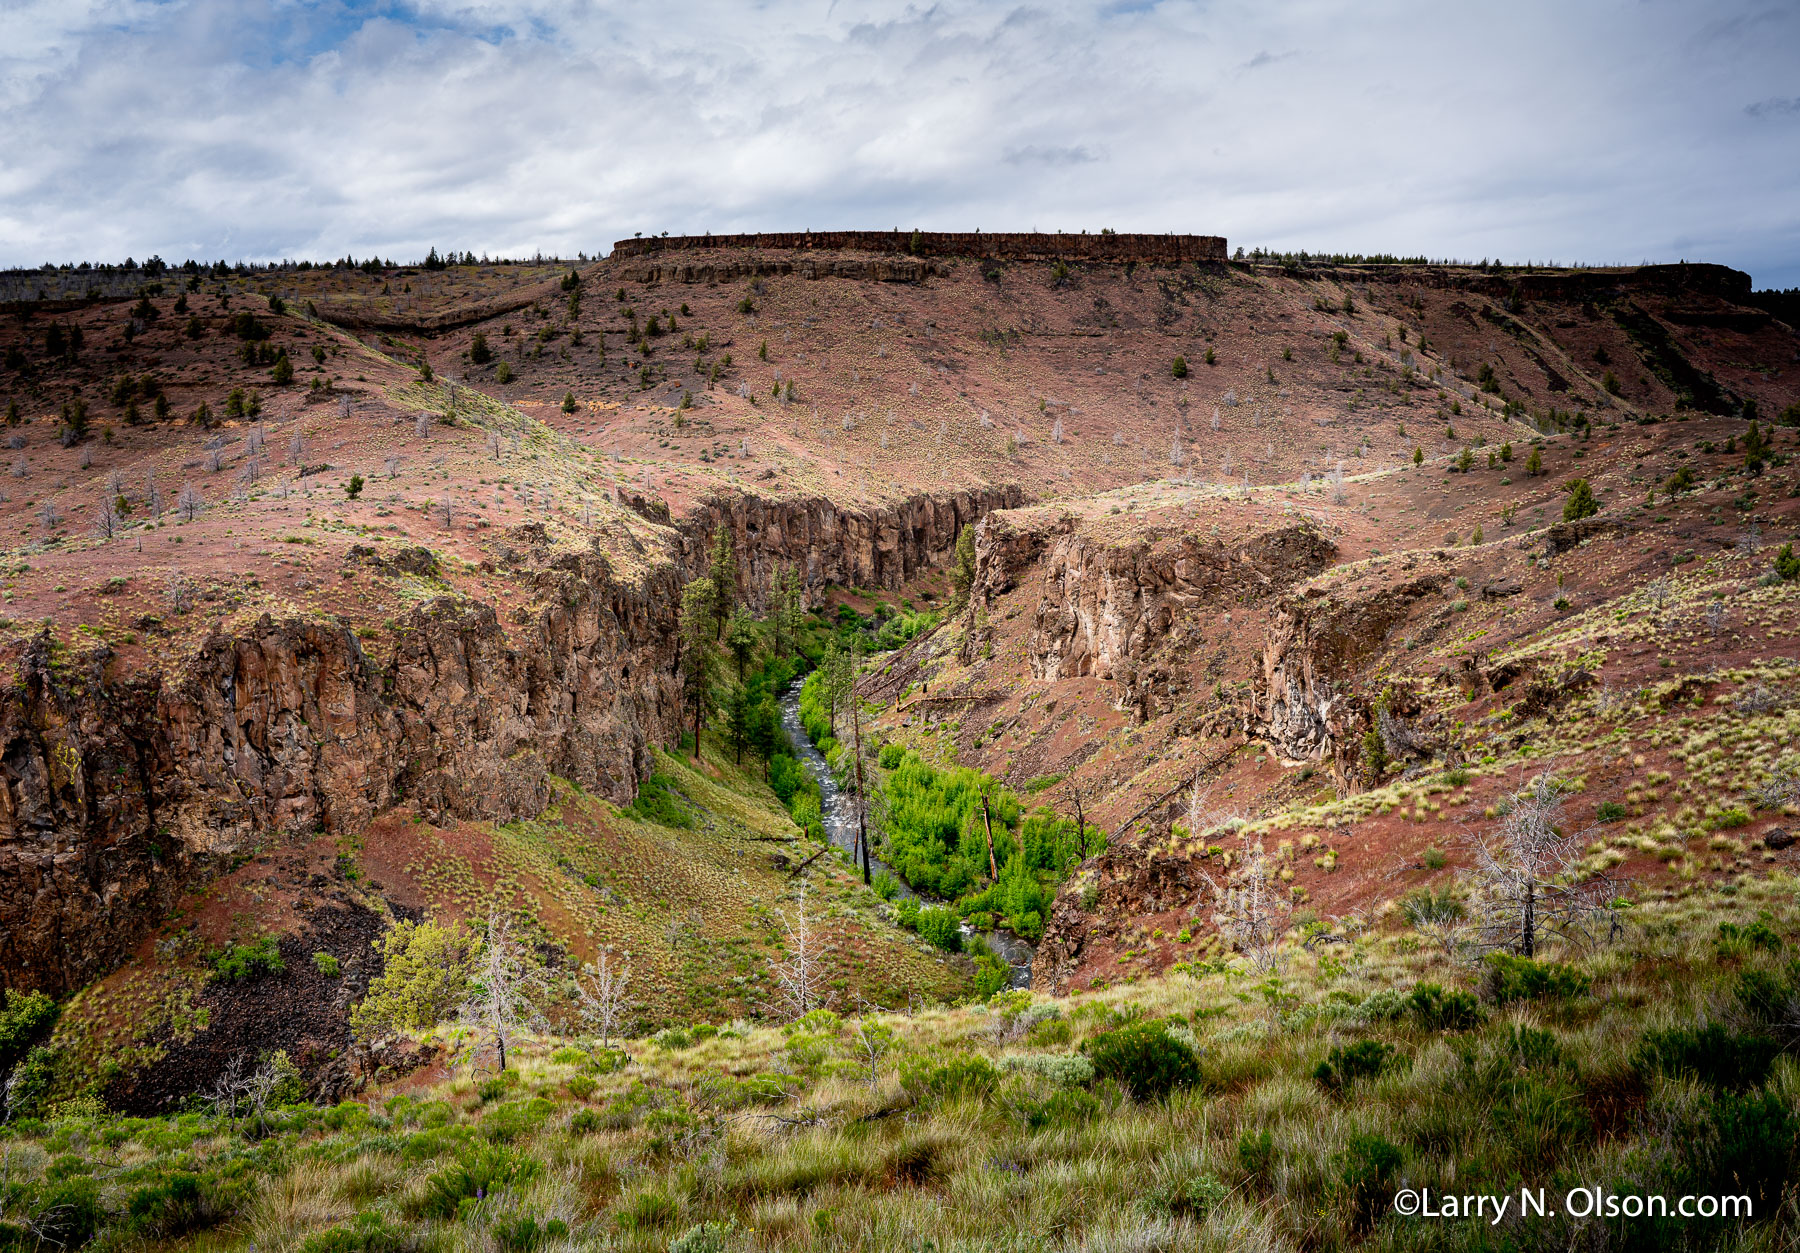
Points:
1180	1113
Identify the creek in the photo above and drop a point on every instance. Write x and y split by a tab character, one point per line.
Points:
838	813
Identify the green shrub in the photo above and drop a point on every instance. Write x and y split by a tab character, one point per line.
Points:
1342	1067
1186	1196
1752	1149
1435	1009
1735	940
246	961
1368	1164
66	1214
325	964
1064	1068
521	1233
424	977
1713	1054
497	1087
1256	1152
941	927
485	1170
31	1082
1522	979
891	756
367	1233
704	1238
27	1017
963	1075
1065	1107
885	886
1610	811
1144	1058
516	1119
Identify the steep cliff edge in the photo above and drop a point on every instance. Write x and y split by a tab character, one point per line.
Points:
122	790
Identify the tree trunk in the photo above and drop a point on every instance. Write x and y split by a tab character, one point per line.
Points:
862	827
993	870
1528	933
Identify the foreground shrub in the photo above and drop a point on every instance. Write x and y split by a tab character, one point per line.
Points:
1344	1066
1435	1009
1522	979
478	1171
927	1080
1713	1054
1752	1148
1144	1058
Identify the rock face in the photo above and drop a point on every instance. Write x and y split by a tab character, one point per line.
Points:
1300	700
882	547
120	791
868	269
1124	612
1107	610
1018	245
1140	875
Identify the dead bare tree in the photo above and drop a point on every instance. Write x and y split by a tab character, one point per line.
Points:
505	989
800	975
190	504
1251	910
107	522
1527	879
179	594
1340	495
601	992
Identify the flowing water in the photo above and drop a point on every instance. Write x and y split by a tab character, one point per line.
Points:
839	814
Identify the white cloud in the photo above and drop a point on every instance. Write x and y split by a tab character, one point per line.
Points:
267	128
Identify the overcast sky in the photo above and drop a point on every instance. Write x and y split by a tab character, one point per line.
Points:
1570	130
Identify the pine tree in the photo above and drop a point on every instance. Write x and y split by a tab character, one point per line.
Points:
722	571
699	647
1581	502
962	574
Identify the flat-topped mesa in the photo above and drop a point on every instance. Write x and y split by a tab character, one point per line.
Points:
1013	246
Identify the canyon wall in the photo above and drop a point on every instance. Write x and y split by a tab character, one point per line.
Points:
1006	246
1128	611
120	791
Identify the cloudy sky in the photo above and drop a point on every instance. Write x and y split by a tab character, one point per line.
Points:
1567	130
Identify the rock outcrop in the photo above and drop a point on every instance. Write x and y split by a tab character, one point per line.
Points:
1011	246
1108	610
1125	612
1300	701
881	547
